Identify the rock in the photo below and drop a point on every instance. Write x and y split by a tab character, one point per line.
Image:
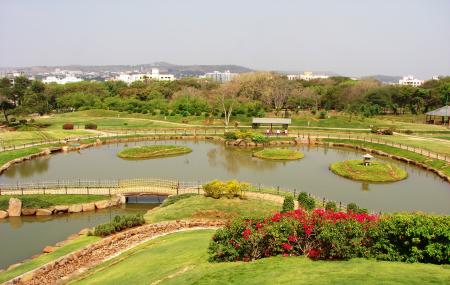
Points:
102	204
43	212
27	277
84	232
28	212
88	207
49	249
15	207
75	208
61	208
3	214
12	266
116	200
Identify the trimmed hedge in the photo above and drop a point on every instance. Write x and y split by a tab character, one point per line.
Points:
288	204
305	201
119	223
230	189
68	126
90	126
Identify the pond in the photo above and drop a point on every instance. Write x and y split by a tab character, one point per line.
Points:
23	237
422	190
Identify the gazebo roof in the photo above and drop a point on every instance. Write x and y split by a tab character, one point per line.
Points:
275	121
441	112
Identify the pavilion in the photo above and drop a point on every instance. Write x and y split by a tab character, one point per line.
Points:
284	122
439	116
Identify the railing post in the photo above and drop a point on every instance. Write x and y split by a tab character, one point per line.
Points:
178	187
323	202
278	190
198	187
295	192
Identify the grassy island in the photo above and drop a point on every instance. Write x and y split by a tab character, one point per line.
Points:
278	154
153	151
375	172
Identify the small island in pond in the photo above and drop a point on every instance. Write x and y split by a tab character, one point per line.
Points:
278	154
153	151
374	172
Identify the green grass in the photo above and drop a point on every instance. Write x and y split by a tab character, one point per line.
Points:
71	246
375	172
435	163
153	151
18	138
200	207
278	154
181	258
7	156
36	201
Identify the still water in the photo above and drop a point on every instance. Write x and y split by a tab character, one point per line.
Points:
422	190
22	237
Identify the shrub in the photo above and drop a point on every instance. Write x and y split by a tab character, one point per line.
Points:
230	189
67	126
119	223
331	205
409	132
288	204
352	207
23	122
322	115
374	130
259	138
230	135
90	126
388	132
305	201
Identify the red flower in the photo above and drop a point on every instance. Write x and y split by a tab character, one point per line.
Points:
285	254
292	238
258	226
313	253
286	246
276	217
308	229
246	233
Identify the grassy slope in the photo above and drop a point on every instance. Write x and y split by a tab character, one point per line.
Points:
44	201
376	172
210	208
25	137
153	151
13	154
45	258
278	154
181	258
438	164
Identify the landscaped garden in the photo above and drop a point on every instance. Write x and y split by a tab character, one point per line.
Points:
153	151
376	171
278	154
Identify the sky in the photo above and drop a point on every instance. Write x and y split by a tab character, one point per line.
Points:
349	37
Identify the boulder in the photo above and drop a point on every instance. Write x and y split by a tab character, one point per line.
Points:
88	207
61	208
3	214
28	212
49	249
116	200
84	232
15	207
102	204
43	212
75	208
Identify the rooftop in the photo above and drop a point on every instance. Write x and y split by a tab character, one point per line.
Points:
442	112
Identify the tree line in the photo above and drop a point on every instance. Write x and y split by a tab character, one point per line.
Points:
250	94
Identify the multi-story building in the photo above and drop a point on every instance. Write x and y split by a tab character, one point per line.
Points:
63	80
155	75
410	80
220	76
307	75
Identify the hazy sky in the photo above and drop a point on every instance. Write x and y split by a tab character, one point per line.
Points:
350	37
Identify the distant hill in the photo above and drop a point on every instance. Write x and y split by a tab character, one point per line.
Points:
384	78
164	67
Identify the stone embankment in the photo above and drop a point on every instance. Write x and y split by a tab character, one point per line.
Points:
66	267
15	208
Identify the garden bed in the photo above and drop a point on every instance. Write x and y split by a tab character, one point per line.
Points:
375	172
153	151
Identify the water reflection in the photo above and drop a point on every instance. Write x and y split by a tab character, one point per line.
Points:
35	166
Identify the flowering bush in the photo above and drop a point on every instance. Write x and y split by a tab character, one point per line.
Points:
319	234
230	189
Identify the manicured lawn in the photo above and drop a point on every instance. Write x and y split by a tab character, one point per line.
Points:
181	258
153	151
25	137
7	156
44	201
435	163
71	246
375	172
200	207
278	154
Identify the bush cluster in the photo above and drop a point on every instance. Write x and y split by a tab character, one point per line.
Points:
305	201
329	235
352	207
230	189
68	126
119	223
90	126
288	204
247	135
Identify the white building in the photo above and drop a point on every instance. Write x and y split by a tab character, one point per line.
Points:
410	80
307	75
155	75
220	76
64	80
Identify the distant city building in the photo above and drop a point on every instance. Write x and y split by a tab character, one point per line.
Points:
155	75
12	76
410	80
63	80
307	75
220	76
